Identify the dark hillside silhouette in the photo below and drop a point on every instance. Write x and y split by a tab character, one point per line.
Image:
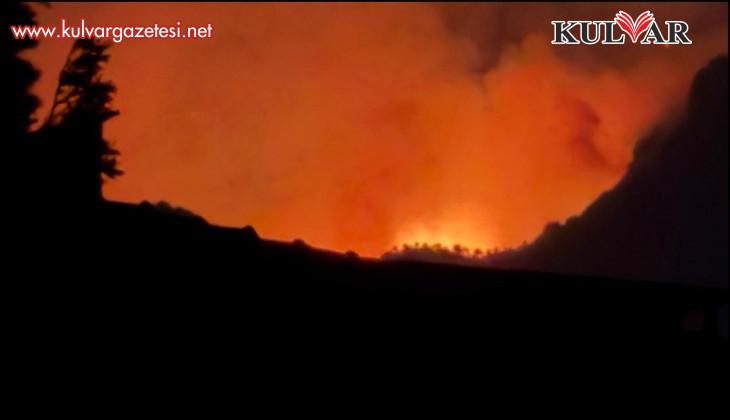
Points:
158	276
667	218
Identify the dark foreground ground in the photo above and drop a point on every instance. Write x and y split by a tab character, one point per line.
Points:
125	307
129	292
138	264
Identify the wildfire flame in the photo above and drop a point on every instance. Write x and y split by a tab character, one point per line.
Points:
361	126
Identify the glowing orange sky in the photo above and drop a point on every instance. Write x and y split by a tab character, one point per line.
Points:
363	126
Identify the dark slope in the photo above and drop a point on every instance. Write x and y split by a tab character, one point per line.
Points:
150	281
667	218
136	267
150	270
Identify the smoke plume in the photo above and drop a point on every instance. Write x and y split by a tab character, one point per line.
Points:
363	126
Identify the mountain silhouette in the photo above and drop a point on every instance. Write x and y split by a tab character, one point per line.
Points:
118	302
667	218
106	265
89	269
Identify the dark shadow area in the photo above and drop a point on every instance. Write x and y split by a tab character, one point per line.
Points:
122	275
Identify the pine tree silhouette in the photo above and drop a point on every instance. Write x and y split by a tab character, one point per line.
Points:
80	156
18	105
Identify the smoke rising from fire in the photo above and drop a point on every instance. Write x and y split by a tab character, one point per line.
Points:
362	126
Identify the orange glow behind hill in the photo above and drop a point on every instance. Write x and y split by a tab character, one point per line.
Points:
364	126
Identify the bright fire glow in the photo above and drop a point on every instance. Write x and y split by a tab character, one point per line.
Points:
365	126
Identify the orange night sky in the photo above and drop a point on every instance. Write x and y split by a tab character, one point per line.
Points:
363	126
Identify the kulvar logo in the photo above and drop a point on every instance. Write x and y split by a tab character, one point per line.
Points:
606	30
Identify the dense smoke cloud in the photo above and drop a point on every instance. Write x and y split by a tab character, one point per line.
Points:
361	126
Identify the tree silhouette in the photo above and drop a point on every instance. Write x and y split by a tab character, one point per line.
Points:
83	97
80	156
53	175
18	104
